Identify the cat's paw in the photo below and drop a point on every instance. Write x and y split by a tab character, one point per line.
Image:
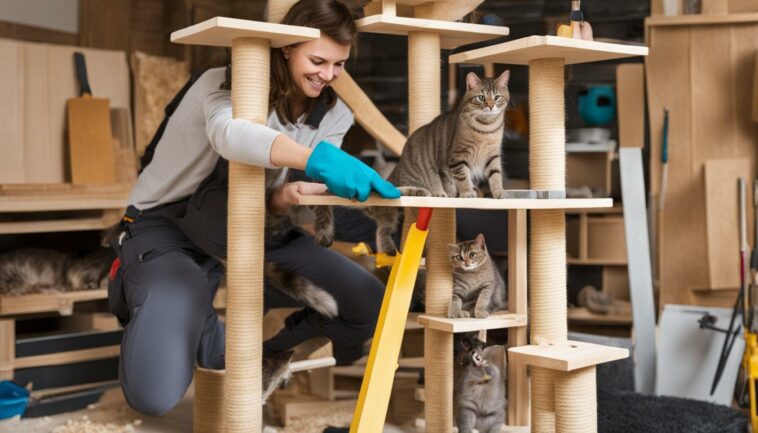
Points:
439	194
501	195
413	191
481	313
454	313
467	194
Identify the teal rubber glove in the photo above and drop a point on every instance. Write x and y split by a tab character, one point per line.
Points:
346	176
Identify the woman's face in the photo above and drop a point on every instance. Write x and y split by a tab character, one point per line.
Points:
313	65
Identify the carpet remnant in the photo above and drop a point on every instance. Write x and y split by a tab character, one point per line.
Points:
629	412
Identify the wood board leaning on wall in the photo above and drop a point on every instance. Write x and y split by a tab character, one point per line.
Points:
699	72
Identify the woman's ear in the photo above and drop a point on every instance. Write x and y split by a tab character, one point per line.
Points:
286	52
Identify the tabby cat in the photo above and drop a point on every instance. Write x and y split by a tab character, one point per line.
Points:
478	389
290	283
478	287
275	371
31	270
453	154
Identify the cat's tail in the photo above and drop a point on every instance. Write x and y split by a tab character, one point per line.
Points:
303	290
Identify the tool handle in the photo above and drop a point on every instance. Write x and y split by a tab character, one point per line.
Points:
81	73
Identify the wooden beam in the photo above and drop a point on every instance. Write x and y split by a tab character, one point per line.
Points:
446	10
495	321
518	381
368	115
67	357
7	348
461	203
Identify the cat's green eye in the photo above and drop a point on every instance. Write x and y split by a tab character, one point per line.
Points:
480	98
472	255
459	257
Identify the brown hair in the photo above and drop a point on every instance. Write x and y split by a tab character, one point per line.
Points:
335	21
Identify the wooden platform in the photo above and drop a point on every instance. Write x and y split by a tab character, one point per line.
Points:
701	19
522	51
568	356
221	31
59	302
452	34
461	203
495	321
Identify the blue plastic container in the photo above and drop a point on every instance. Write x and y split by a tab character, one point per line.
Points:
13	399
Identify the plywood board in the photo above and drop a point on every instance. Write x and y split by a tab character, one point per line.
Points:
606	239
715	7
452	34
700	19
459	203
221	31
630	88
12	161
43	151
568	356
722	217
522	51
755	89
742	6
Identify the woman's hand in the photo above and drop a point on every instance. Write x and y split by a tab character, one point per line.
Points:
289	195
345	175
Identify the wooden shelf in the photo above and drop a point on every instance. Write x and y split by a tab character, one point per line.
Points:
461	203
62	197
61	303
606	210
452	34
58	225
521	51
568	356
695	20
495	321
221	31
583	316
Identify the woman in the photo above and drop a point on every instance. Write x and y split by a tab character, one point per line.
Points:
175	228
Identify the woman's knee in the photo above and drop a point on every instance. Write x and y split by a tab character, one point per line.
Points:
149	399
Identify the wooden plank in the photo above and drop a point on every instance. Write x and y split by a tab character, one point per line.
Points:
568	356
12	162
518	382
755	90
583	316
446	11
722	218
606	239
7	348
47	302
43	148
522	51
368	115
459	203
107	28
67	357
80	201
60	225
452	34
221	31
630	87
498	320
742	6
700	20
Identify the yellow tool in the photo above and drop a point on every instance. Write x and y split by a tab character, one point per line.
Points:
750	368
382	259
374	398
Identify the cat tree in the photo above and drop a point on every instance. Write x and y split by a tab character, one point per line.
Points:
563	372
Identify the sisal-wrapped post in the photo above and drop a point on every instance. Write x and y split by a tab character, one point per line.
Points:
244	312
208	406
547	255
277	9
423	107
576	401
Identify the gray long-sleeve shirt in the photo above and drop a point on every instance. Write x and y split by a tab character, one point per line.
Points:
202	129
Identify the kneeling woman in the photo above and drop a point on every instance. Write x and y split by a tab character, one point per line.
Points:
174	232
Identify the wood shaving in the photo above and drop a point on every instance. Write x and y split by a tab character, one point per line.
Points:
84	425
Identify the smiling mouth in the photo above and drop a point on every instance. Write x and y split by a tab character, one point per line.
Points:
316	83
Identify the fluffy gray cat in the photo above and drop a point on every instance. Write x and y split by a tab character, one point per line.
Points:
453	154
275	371
478	287
478	390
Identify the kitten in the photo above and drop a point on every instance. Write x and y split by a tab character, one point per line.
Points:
89	272
478	287
453	154
32	270
275	371
478	390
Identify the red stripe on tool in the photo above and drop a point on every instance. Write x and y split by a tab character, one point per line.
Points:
114	268
424	216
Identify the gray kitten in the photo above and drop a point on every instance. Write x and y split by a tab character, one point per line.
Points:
479	390
478	287
453	154
89	272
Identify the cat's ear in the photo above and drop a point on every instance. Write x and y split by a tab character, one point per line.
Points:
480	240
502	80
472	81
